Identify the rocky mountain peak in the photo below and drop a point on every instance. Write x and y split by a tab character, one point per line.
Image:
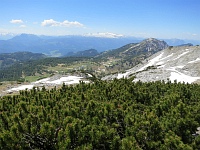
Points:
148	47
152	44
25	37
151	39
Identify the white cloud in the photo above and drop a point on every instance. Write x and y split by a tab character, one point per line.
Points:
22	26
16	21
65	23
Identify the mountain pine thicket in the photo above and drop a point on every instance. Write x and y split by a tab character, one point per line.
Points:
115	115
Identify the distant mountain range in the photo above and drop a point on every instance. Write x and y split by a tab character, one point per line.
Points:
62	45
6	36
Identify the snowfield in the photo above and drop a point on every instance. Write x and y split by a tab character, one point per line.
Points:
49	82
66	80
180	77
23	87
151	62
122	75
194	61
178	63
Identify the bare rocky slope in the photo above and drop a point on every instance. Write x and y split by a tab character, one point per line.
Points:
142	49
130	55
181	63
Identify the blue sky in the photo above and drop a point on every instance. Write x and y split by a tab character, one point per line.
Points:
140	18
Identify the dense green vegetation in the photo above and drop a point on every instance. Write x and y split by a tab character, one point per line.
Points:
31	68
114	115
85	53
8	59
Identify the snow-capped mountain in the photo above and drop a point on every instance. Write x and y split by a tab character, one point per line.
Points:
105	34
173	63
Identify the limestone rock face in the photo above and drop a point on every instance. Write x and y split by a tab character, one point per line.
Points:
181	63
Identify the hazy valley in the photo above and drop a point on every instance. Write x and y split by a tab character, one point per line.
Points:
25	67
148	60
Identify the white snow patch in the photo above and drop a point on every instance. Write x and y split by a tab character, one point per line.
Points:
66	80
162	66
167	56
165	59
160	63
198	59
122	75
180	67
42	80
131	47
151	62
180	77
136	80
174	68
89	75
179	56
23	87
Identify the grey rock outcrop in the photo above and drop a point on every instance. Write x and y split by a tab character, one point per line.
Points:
181	63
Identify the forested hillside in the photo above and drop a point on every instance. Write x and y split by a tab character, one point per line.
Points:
118	114
8	59
20	70
85	53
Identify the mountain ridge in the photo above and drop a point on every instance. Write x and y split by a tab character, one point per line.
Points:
62	44
72	43
130	55
177	64
8	59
